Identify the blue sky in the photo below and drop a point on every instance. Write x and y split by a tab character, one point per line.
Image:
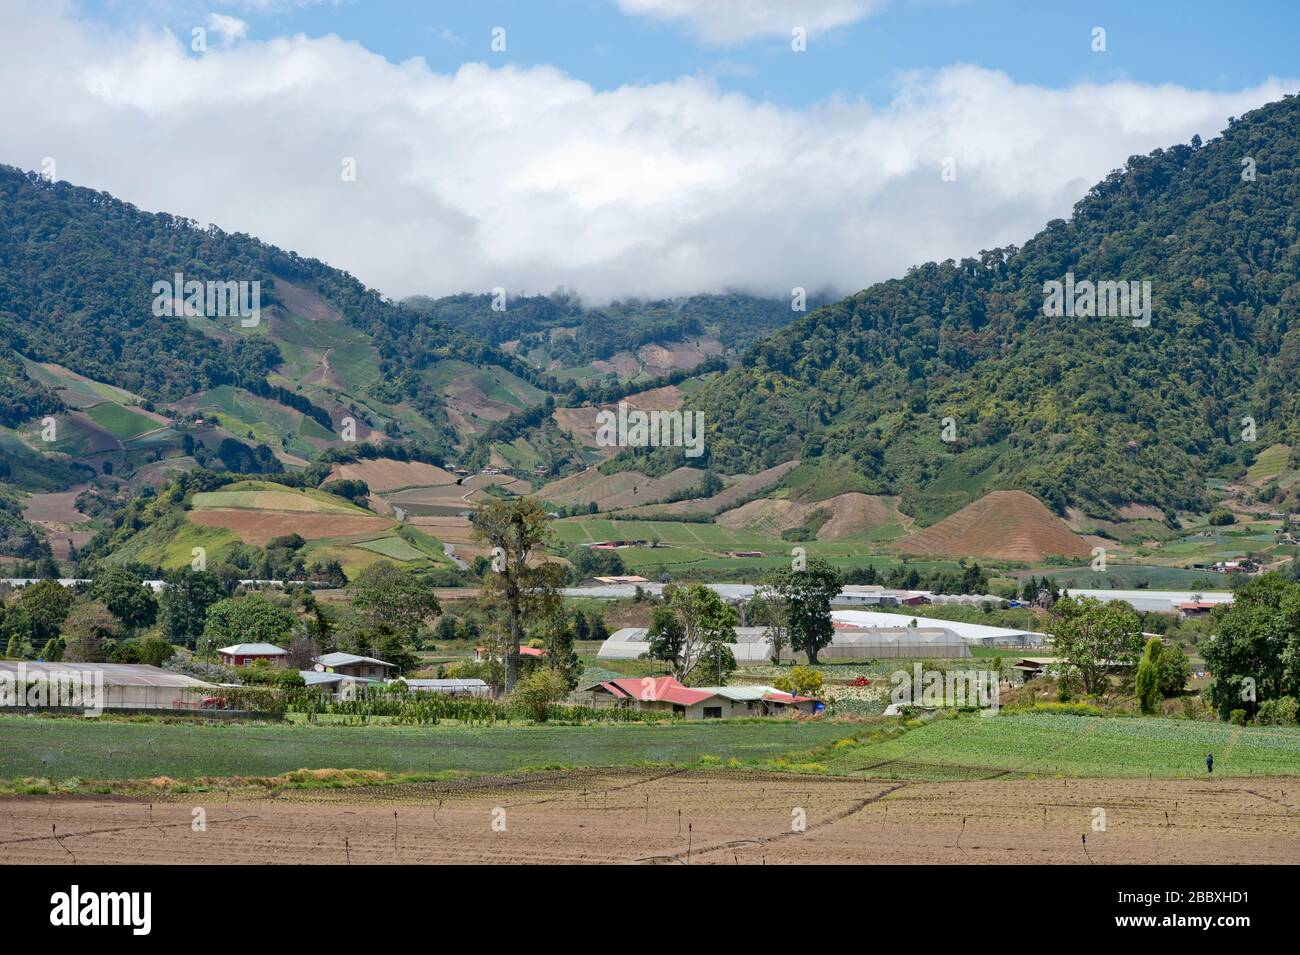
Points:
1206	45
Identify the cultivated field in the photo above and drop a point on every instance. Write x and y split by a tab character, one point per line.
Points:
1013	744
658	816
387	474
62	749
1003	525
261	527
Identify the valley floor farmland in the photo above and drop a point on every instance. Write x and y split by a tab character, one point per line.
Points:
1014	744
658	816
61	749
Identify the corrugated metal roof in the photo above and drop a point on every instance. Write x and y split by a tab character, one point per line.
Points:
253	650
345	659
115	674
663	689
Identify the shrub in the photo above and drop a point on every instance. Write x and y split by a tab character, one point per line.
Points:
537	691
1238	717
1279	712
269	676
1148	676
801	681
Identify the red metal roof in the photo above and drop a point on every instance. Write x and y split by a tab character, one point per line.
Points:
663	689
788	698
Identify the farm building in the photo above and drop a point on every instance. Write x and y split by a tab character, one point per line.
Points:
451	687
874	595
966	600
753	644
338	686
483	654
912	643
242	654
974	633
121	686
350	664
1155	601
696	702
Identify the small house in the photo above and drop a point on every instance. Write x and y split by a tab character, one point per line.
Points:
350	664
244	654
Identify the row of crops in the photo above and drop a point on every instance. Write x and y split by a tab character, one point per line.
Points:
1050	744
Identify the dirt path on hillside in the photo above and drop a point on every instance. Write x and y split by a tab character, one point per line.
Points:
658	816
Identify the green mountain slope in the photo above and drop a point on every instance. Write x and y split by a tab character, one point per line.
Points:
77	270
1089	411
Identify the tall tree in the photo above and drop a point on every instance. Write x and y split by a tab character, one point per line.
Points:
45	605
1255	651
769	609
807	595
126	596
516	531
395	598
666	638
1095	638
1147	681
183	606
248	619
705	627
90	630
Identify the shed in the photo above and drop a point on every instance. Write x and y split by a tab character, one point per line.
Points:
451	687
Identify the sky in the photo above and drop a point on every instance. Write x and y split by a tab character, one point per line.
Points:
621	148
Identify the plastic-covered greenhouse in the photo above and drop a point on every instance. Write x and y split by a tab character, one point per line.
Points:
869	643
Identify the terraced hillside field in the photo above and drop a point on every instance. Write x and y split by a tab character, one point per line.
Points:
844	516
256	512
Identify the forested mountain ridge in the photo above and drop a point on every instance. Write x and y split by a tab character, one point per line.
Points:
76	270
1086	411
566	330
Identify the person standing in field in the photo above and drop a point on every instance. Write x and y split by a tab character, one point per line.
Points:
1209	763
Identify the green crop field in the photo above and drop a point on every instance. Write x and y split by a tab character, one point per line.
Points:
394	548
121	422
1050	744
1269	463
60	749
243	413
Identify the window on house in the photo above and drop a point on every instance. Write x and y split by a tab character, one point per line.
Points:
713	712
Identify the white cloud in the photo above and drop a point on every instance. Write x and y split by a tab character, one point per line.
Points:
530	179
232	28
734	21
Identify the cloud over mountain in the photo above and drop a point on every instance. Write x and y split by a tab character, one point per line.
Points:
528	178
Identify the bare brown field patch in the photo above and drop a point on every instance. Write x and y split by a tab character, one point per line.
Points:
666	816
1001	525
261	527
388	474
